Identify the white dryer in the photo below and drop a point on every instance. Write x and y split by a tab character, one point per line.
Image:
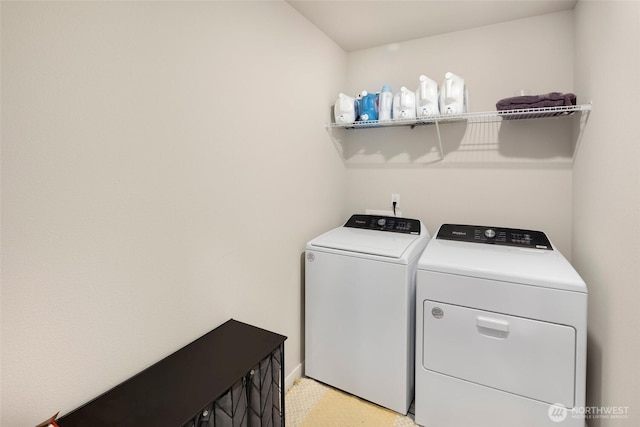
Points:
501	331
360	308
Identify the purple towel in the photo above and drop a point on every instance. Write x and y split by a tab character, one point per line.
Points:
552	99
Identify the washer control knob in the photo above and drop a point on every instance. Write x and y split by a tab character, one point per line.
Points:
490	233
382	222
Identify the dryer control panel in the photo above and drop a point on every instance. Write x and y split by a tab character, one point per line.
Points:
384	223
495	235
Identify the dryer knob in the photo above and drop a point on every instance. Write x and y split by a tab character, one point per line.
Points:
490	233
382	222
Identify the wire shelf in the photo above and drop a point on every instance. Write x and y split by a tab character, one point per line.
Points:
482	117
469	118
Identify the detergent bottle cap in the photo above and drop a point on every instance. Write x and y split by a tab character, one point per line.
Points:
386	88
364	93
423	77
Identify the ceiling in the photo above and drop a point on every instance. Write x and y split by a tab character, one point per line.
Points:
361	24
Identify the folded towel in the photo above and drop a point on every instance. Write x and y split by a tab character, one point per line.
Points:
552	99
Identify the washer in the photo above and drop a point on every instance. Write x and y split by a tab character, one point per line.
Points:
501	331
360	308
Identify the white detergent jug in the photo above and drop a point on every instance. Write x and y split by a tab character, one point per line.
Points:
404	104
453	95
385	105
344	110
427	97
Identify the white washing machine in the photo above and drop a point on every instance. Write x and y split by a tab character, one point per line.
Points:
501	331
360	308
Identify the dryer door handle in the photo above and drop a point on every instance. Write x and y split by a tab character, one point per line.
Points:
489	326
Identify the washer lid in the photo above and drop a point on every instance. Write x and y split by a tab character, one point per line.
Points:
372	242
536	267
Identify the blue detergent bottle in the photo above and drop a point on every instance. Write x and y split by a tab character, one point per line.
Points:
368	106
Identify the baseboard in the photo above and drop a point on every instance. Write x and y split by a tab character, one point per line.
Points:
294	375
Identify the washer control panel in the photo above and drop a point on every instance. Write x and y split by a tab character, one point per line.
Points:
495	235
384	223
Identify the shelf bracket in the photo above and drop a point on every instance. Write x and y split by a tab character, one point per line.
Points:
439	141
584	116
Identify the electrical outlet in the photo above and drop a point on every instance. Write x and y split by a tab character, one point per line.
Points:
395	198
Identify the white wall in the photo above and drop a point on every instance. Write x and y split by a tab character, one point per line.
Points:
163	165
135	195
517	174
606	202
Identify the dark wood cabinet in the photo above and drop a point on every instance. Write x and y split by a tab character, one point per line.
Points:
232	376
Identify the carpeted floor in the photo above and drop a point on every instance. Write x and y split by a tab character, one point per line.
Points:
312	404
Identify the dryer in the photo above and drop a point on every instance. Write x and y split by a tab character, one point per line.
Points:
501	331
360	308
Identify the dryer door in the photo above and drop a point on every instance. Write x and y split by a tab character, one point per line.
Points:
526	357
